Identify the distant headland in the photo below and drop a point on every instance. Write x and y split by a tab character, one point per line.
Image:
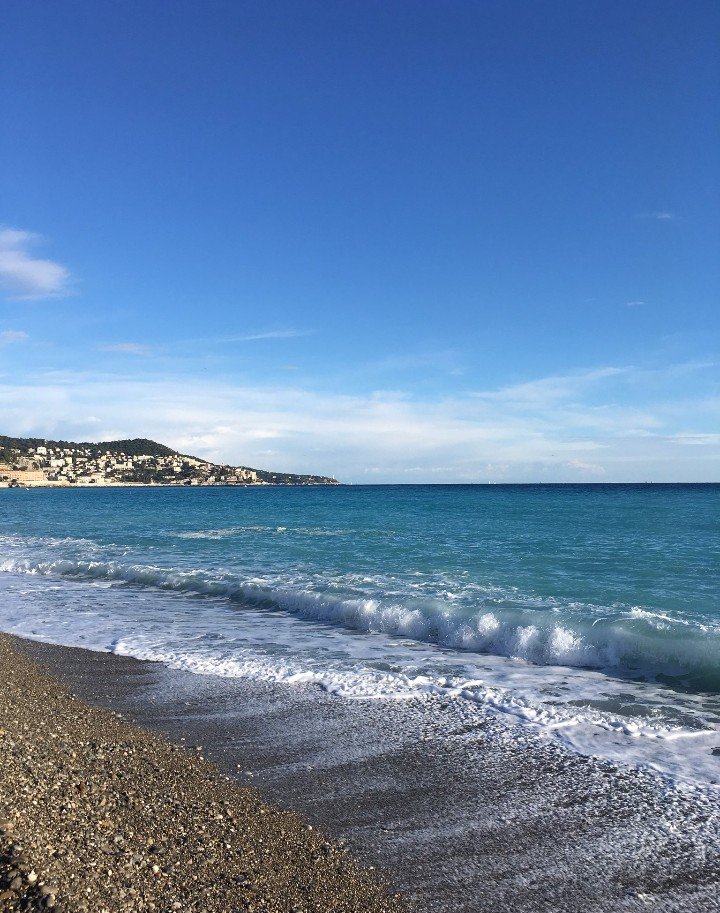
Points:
36	462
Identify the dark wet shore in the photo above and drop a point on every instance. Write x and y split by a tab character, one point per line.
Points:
475	819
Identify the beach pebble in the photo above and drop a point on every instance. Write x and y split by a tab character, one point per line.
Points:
97	801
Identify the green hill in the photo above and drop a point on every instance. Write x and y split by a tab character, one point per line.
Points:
139	446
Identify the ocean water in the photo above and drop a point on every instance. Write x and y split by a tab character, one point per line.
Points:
588	613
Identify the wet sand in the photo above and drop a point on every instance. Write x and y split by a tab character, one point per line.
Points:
480	818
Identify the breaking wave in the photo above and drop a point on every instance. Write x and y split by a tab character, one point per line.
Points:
629	641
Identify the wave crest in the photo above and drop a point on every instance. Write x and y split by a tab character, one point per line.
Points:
634	641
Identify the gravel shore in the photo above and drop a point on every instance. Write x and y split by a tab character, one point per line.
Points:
98	815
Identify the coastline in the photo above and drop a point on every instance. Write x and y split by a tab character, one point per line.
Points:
481	819
102	485
97	814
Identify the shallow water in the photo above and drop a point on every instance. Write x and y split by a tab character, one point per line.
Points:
590	613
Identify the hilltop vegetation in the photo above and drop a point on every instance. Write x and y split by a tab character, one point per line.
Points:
137	446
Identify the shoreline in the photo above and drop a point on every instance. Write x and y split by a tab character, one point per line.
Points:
479	819
102	485
98	814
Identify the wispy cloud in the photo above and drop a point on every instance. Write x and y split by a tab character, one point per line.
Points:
659	215
267	334
7	337
127	348
445	361
634	304
24	277
547	390
695	440
581	466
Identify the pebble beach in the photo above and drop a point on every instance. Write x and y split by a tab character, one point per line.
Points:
100	815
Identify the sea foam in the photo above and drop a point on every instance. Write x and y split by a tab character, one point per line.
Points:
629	640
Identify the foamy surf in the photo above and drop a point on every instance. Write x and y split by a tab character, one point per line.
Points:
212	637
619	639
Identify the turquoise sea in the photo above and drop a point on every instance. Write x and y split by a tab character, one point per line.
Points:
590	613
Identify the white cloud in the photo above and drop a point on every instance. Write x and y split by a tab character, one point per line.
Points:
551	389
583	467
24	277
127	348
695	440
634	304
540	430
268	334
7	337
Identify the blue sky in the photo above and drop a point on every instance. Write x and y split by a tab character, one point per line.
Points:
395	241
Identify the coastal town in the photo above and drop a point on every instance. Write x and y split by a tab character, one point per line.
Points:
33	462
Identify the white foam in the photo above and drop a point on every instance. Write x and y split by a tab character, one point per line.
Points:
633	641
231	531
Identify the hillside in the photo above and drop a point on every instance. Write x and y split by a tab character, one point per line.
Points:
139	461
139	446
